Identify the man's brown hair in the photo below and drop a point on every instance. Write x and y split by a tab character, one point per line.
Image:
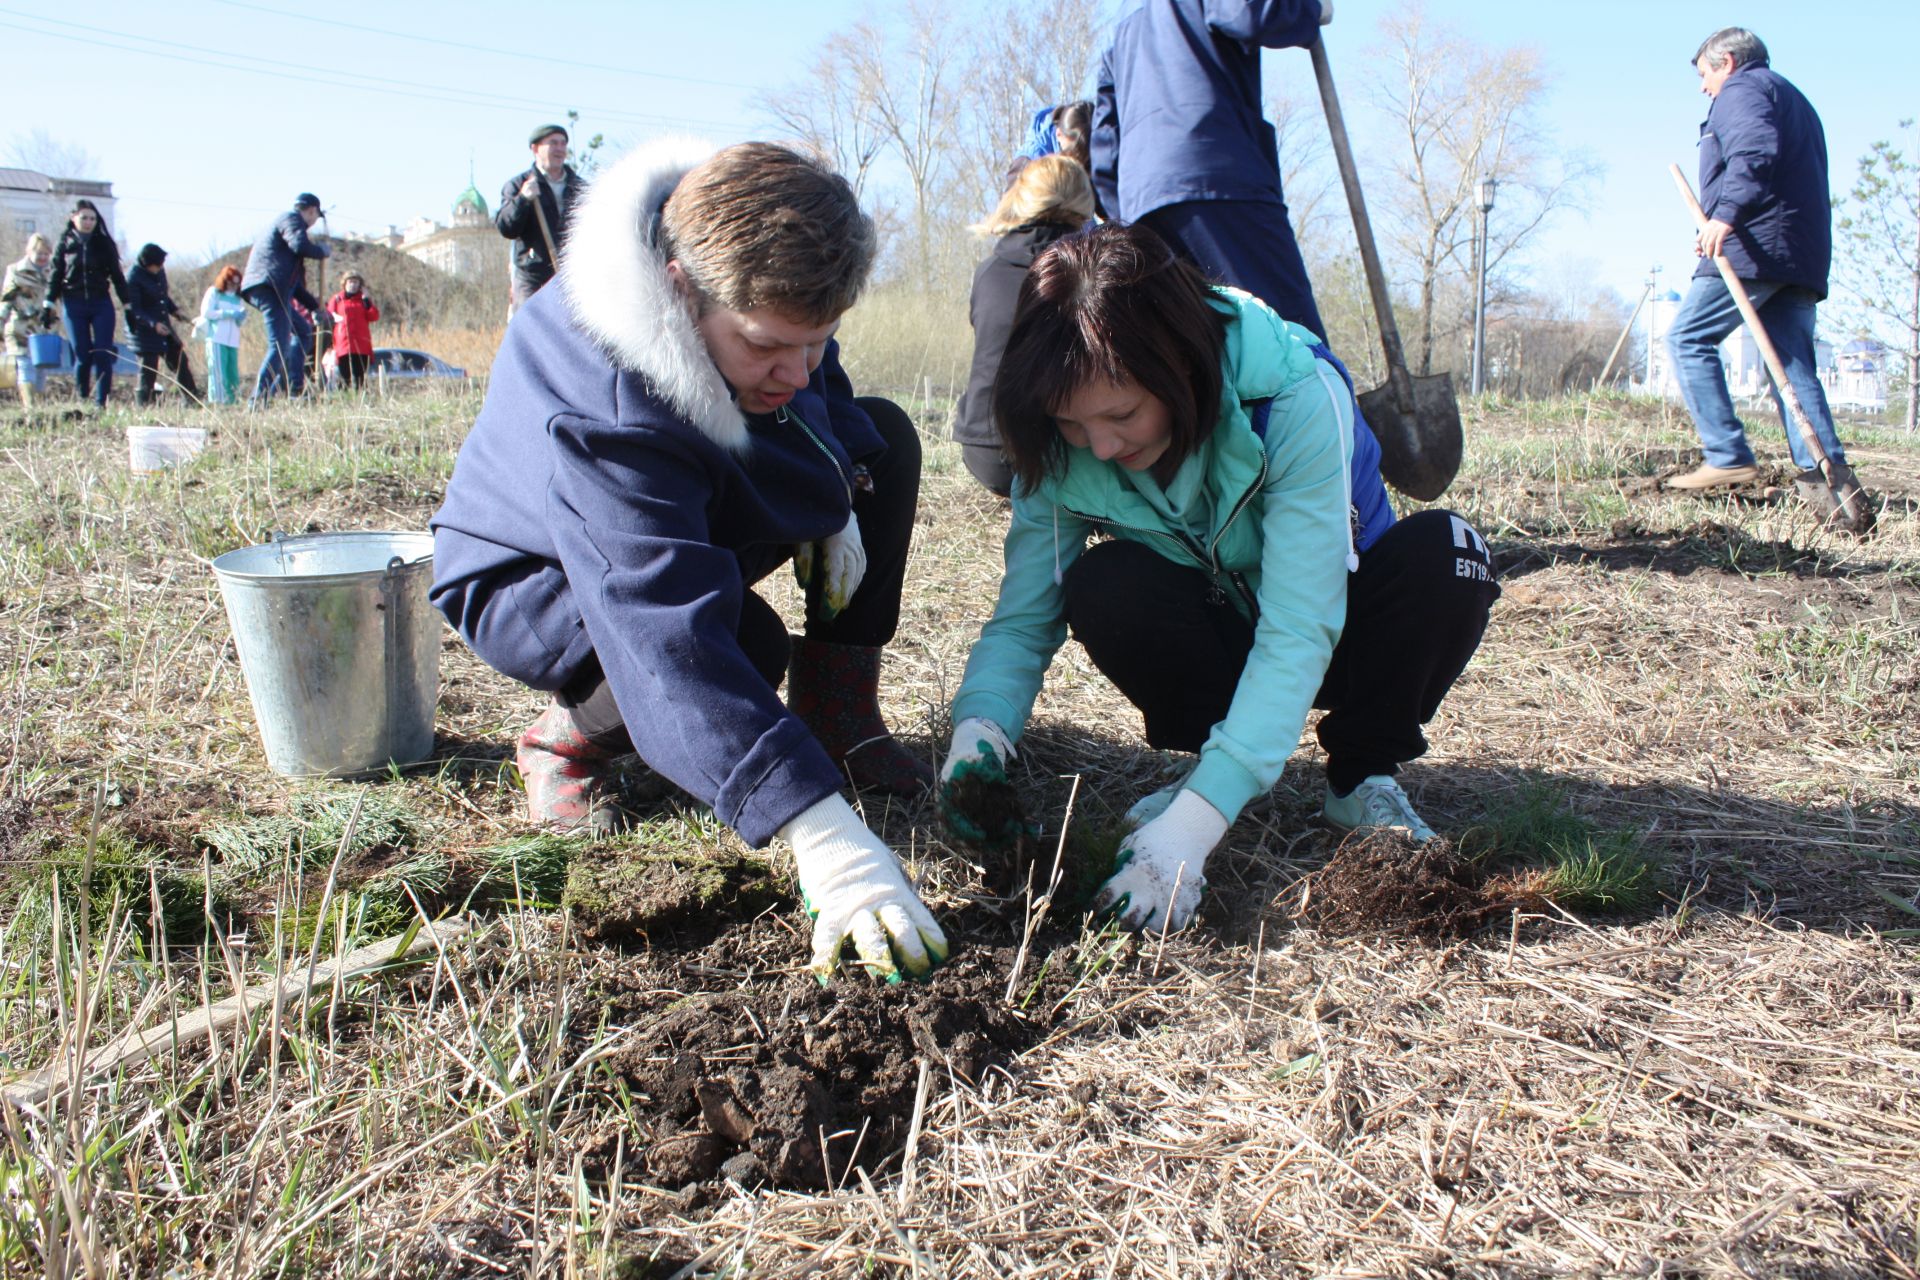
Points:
762	225
1112	304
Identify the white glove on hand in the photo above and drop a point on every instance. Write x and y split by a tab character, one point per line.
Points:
979	756
1160	873
853	885
1326	12
842	564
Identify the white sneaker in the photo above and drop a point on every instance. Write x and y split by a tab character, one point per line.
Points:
1376	802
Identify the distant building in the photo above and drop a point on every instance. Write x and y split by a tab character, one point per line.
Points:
31	201
462	250
1854	379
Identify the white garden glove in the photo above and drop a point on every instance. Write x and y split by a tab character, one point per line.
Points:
976	772
830	570
1326	12
854	886
1160	872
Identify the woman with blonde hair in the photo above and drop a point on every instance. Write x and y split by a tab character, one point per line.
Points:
1051	197
25	311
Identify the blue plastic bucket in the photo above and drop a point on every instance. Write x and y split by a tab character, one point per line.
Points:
340	647
44	349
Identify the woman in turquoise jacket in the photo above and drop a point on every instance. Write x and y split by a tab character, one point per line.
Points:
1253	569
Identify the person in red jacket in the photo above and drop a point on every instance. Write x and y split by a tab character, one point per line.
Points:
352	311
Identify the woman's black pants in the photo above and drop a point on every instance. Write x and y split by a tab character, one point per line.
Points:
1416	610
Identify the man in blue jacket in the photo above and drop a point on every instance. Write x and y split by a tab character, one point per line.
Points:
664	428
1763	184
274	280
1180	142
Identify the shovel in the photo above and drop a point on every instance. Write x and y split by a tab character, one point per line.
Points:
1416	420
1831	488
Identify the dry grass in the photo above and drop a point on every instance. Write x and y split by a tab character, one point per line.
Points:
1724	1083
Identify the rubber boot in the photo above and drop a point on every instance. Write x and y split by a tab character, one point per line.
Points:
569	781
835	690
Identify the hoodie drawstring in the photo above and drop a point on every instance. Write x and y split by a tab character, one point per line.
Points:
1343	398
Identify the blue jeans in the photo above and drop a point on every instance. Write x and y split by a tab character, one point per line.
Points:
285	363
1706	317
91	320
28	374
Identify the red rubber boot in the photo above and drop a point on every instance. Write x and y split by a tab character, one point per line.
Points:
569	781
835	690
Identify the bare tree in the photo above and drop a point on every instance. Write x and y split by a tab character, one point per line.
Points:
1306	154
39	150
830	110
1027	54
1461	112
1878	263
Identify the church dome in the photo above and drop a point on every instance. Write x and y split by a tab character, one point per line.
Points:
469	207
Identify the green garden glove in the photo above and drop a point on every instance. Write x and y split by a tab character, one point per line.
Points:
978	803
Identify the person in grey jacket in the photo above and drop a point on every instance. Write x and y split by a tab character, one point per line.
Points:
275	279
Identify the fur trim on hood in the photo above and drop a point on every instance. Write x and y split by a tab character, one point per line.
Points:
618	290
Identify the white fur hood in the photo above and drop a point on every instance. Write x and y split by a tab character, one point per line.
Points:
618	291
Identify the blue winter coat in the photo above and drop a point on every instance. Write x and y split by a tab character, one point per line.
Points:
276	255
1763	172
613	501
1177	109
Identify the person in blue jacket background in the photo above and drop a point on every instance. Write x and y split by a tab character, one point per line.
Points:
1763	185
1252	570
275	279
664	429
1180	141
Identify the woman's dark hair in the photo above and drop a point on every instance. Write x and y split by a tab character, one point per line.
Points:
1112	303
1073	130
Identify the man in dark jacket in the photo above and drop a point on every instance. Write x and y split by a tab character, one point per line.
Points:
662	430
1763	184
1179	141
536	208
275	279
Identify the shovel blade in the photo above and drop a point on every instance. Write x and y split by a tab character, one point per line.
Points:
1840	503
1419	454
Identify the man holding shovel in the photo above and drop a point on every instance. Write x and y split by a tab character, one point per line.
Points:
536	207
1763	187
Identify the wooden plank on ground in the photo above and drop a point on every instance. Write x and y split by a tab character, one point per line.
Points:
33	1088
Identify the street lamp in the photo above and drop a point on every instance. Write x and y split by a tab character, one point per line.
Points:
1483	201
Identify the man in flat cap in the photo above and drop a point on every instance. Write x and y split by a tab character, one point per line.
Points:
275	279
535	209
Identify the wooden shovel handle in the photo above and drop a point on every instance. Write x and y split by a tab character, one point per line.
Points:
1363	231
1759	332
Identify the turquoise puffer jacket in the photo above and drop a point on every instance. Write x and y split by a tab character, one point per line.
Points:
1267	516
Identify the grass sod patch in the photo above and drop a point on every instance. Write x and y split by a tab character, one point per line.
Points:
118	876
1563	856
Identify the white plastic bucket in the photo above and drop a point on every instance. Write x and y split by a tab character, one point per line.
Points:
151	449
340	647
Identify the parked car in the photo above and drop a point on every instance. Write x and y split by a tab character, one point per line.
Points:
394	364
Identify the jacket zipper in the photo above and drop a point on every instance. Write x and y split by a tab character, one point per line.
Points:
1207	556
783	415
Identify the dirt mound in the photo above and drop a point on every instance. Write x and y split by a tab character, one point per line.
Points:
1381	881
787	1083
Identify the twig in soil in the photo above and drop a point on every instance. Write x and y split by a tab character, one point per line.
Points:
1037	911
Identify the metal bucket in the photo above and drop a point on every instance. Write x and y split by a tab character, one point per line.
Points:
340	647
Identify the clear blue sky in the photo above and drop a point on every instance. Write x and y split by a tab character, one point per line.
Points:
210	115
